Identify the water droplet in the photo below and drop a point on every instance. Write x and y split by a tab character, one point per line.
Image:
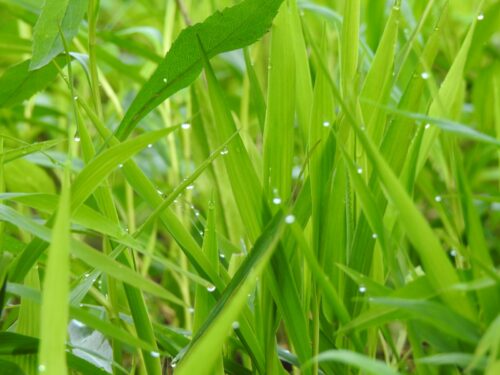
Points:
235	325
86	274
296	171
191	310
150	145
186	126
453	252
480	17
225	151
197	213
120	165
159	191
222	256
155	354
326	124
75	97
211	288
360	170
427	126
277	200
362	289
41	368
289	219
201	233
438	198
190	187
425	75
77	139
374	236
173	364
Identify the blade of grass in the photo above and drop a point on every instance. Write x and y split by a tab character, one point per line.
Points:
198	358
54	309
56	16
233	28
368	365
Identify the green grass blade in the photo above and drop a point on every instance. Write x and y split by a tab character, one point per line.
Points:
56	16
233	28
350	46
54	310
18	83
199	359
101	166
478	247
446	97
28	149
377	84
441	317
368	365
280	114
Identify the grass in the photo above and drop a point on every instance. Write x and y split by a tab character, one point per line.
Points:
303	187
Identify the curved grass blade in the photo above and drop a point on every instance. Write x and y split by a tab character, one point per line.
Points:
102	165
20	152
19	83
199	359
57	16
233	28
368	365
435	314
444	124
453	359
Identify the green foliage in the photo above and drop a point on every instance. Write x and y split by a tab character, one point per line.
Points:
233	28
323	199
56	17
18	83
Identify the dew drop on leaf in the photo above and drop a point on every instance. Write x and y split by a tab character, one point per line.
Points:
211	288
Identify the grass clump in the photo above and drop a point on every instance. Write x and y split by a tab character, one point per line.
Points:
251	187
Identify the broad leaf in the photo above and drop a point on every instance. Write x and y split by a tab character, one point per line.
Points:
19	83
57	16
233	28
